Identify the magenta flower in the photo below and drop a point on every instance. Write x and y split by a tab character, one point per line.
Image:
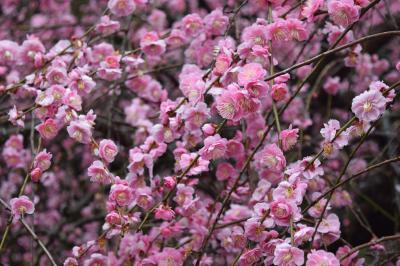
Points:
164	212
21	206
343	12
48	129
250	257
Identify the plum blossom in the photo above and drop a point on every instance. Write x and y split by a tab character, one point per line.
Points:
21	206
369	105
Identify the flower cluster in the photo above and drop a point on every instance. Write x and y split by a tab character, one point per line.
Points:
137	132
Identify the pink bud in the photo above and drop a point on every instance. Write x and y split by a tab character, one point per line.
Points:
169	182
208	129
36	174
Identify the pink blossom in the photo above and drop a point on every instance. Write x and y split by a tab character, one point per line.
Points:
321	257
343	12
216	22
329	224
43	160
192	24
48	129
283	210
164	212
287	255
107	150
110	68
80	130
251	72
289	138
250	257
121	8
99	173
200	166
96	259
121	194
279	92
310	7
21	206
80	82
214	147
169	256
369	105
8	52
152	45
225	171
107	26
271	157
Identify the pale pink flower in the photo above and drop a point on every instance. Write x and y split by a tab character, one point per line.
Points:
216	22
251	72
293	192
121	194
80	130
369	105
96	259
169	256
99	173
270	157
107	150
152	45
43	160
329	224
228	107
321	257
289	138
255	35
192	24
106	26
282	210
214	147
110	68
8	52
200	166
16	117
21	206
310	7
121	8
287	255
